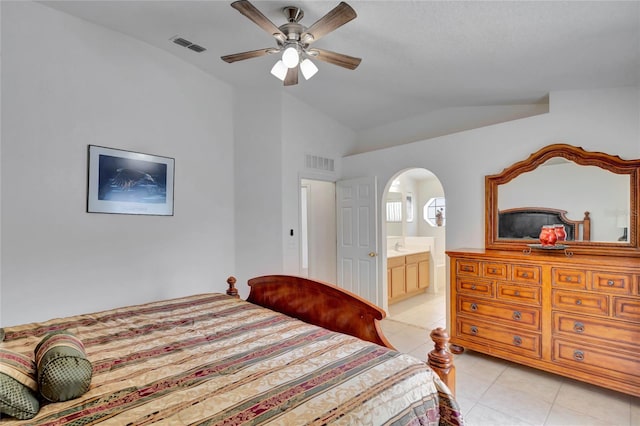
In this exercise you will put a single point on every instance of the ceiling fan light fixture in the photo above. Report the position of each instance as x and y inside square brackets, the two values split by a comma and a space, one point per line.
[293, 41]
[308, 69]
[290, 57]
[279, 70]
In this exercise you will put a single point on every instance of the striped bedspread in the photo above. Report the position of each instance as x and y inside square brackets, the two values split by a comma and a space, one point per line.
[214, 360]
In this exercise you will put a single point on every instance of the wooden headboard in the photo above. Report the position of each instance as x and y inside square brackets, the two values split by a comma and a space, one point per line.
[526, 222]
[319, 303]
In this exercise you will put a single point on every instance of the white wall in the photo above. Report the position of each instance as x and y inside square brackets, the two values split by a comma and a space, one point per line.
[598, 120]
[66, 84]
[257, 177]
[430, 188]
[274, 133]
[305, 131]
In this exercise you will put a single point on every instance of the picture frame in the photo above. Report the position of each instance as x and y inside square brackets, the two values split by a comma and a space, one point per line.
[127, 182]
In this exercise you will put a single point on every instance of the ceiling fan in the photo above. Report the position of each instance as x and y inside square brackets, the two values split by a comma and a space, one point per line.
[294, 41]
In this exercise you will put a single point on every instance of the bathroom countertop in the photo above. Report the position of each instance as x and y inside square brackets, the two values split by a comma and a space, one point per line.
[405, 251]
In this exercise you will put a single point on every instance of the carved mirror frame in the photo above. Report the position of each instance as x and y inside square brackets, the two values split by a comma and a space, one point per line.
[579, 156]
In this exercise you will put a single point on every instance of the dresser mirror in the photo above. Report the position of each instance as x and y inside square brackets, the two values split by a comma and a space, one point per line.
[593, 192]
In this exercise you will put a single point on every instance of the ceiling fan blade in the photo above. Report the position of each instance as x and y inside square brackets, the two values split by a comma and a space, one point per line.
[250, 11]
[334, 58]
[337, 17]
[247, 55]
[292, 76]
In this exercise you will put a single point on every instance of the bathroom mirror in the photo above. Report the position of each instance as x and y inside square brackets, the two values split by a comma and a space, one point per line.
[572, 181]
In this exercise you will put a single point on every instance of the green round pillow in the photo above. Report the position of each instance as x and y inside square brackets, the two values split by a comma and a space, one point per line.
[18, 385]
[64, 372]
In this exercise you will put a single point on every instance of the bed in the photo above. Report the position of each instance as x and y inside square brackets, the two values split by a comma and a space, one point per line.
[214, 359]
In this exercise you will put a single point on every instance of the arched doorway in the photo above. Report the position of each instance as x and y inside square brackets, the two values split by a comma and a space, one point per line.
[414, 227]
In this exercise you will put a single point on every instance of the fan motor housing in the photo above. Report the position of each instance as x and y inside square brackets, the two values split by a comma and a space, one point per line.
[293, 14]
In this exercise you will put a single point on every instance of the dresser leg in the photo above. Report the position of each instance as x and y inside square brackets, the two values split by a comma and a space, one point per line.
[455, 349]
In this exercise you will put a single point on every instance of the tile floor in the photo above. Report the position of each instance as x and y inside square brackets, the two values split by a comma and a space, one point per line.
[495, 392]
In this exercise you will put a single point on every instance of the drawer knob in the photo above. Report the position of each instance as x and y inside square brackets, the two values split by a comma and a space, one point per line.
[578, 327]
[493, 270]
[568, 279]
[578, 302]
[473, 307]
[525, 275]
[517, 315]
[466, 268]
[473, 287]
[474, 330]
[578, 355]
[517, 340]
[516, 293]
[610, 283]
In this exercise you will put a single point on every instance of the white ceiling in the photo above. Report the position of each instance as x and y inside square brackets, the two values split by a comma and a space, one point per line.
[417, 56]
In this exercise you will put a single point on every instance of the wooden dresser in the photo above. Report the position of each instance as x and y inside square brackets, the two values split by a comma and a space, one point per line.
[577, 316]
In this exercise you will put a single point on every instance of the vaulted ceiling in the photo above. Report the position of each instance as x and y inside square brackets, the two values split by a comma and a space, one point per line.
[417, 56]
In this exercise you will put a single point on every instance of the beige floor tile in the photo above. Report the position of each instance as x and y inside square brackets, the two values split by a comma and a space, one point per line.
[465, 405]
[561, 416]
[635, 412]
[390, 327]
[536, 383]
[422, 310]
[516, 403]
[471, 387]
[594, 401]
[421, 351]
[482, 366]
[481, 415]
[409, 339]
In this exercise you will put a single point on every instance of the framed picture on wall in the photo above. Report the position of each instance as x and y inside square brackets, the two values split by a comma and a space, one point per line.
[128, 182]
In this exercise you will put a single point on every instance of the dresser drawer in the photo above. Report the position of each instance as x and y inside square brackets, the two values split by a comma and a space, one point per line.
[526, 274]
[611, 283]
[622, 365]
[516, 316]
[498, 271]
[475, 287]
[569, 278]
[580, 302]
[520, 293]
[513, 340]
[626, 308]
[468, 267]
[612, 332]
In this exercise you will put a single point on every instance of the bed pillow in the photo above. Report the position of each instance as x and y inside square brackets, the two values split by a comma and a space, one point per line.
[17, 385]
[63, 370]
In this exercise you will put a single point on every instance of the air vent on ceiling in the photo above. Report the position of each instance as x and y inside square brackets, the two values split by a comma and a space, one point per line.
[188, 44]
[319, 163]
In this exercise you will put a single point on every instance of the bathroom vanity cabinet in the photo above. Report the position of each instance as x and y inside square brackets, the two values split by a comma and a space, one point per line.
[407, 275]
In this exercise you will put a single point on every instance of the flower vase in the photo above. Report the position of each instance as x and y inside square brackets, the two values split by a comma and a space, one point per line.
[548, 236]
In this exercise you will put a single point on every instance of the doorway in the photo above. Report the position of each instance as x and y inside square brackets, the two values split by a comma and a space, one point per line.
[318, 230]
[414, 227]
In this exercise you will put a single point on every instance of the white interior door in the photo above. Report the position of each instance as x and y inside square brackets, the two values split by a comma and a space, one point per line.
[357, 251]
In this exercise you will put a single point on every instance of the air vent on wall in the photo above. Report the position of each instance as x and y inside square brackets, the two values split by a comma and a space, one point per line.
[319, 163]
[186, 43]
